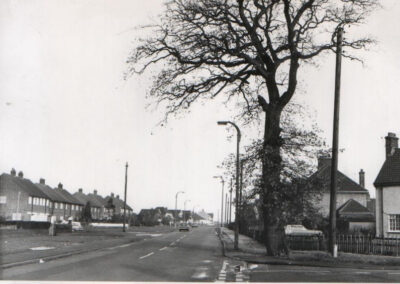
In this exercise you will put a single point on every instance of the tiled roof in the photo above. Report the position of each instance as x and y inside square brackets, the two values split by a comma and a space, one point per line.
[22, 184]
[354, 211]
[52, 194]
[83, 198]
[344, 183]
[389, 175]
[96, 200]
[118, 202]
[68, 196]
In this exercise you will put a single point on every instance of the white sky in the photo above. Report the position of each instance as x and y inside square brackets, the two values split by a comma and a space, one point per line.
[67, 115]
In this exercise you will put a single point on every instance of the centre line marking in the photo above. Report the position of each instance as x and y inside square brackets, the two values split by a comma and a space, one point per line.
[163, 248]
[172, 243]
[147, 255]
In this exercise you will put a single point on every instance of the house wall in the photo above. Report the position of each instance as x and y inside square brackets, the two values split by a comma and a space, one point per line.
[341, 198]
[389, 197]
[355, 226]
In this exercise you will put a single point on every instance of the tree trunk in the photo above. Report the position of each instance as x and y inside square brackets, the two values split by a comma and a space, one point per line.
[272, 165]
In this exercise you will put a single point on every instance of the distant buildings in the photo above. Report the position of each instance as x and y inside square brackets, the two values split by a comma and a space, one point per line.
[22, 200]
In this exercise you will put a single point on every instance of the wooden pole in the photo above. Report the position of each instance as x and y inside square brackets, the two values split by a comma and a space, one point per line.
[335, 144]
[126, 182]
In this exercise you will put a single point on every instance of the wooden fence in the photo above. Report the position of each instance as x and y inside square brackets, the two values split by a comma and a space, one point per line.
[368, 245]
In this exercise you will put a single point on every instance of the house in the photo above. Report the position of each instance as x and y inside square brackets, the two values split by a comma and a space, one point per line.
[352, 216]
[150, 217]
[61, 207]
[346, 188]
[21, 200]
[84, 199]
[97, 205]
[118, 206]
[387, 186]
[73, 206]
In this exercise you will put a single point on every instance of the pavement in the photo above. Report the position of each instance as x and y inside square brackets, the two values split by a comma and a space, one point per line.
[21, 247]
[252, 251]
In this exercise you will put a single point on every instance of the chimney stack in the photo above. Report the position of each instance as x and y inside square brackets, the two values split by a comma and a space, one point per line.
[362, 178]
[391, 143]
[80, 190]
[112, 195]
[95, 192]
[324, 161]
[42, 181]
[117, 196]
[60, 185]
[13, 172]
[20, 174]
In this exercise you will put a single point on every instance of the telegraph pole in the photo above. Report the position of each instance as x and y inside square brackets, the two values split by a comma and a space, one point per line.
[126, 182]
[335, 146]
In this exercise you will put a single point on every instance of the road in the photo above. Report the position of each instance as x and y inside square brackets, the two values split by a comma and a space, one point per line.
[176, 256]
[181, 256]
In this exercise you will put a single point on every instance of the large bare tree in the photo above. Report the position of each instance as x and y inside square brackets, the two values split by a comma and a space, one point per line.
[247, 48]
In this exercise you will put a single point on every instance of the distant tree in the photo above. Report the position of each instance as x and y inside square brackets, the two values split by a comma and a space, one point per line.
[87, 212]
[111, 208]
[249, 49]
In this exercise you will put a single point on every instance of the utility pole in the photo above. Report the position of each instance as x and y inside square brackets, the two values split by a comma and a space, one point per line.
[226, 208]
[126, 182]
[335, 146]
[230, 203]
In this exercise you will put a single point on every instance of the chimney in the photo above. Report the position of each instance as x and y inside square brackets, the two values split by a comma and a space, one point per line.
[80, 190]
[324, 161]
[392, 142]
[117, 196]
[362, 178]
[42, 181]
[95, 192]
[13, 172]
[20, 174]
[60, 186]
[112, 195]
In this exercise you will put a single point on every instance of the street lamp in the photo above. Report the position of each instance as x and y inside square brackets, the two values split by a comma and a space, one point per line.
[184, 208]
[176, 204]
[222, 198]
[236, 241]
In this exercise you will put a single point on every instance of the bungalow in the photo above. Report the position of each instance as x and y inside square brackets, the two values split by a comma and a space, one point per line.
[387, 184]
[21, 200]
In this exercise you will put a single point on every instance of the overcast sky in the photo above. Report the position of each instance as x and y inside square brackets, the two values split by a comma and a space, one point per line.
[67, 115]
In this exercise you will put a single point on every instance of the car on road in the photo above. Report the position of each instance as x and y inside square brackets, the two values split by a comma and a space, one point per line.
[184, 227]
[76, 226]
[300, 230]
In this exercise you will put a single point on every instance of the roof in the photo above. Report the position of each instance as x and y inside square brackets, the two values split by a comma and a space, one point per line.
[344, 183]
[389, 175]
[22, 184]
[354, 211]
[96, 200]
[83, 198]
[68, 196]
[52, 194]
[118, 202]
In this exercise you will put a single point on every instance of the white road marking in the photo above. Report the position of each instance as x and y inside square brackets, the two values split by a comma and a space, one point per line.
[147, 255]
[201, 273]
[394, 273]
[207, 261]
[163, 248]
[173, 243]
[222, 273]
[42, 248]
[124, 246]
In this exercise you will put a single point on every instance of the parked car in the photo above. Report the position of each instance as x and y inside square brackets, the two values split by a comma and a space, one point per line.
[184, 227]
[76, 226]
[300, 230]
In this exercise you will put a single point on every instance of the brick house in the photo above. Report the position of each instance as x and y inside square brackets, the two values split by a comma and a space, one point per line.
[98, 206]
[84, 199]
[387, 185]
[346, 188]
[21, 200]
[62, 206]
[118, 206]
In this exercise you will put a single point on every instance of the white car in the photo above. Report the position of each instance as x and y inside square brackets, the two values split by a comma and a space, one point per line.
[76, 226]
[300, 230]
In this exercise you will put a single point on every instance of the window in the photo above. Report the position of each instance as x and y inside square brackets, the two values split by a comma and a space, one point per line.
[61, 205]
[3, 199]
[394, 222]
[56, 205]
[30, 200]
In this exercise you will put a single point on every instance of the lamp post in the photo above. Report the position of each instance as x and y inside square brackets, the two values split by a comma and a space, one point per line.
[222, 199]
[176, 204]
[236, 241]
[184, 208]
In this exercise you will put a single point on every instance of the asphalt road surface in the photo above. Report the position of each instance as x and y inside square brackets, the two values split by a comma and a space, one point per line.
[182, 256]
